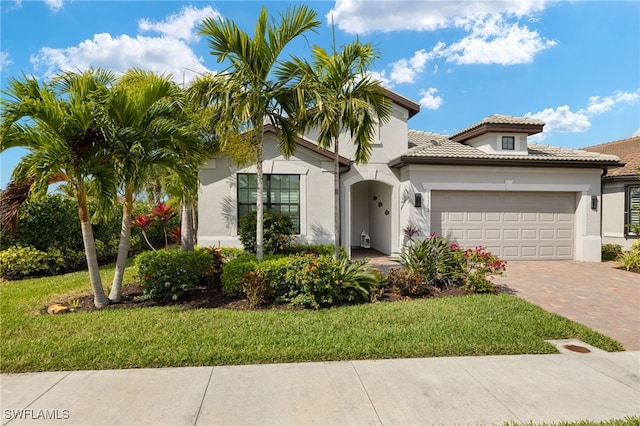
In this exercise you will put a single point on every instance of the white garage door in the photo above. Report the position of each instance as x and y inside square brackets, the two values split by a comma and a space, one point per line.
[512, 225]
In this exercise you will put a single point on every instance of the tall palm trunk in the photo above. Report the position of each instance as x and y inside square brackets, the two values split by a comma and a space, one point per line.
[123, 247]
[336, 199]
[100, 299]
[259, 194]
[186, 228]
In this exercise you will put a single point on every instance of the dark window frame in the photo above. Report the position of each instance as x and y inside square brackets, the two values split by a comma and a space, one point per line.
[631, 212]
[512, 143]
[268, 202]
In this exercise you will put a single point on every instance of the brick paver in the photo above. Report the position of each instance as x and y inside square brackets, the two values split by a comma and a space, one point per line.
[597, 295]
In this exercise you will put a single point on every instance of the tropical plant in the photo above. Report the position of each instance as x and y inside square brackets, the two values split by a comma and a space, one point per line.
[166, 274]
[60, 124]
[251, 94]
[342, 97]
[278, 232]
[145, 129]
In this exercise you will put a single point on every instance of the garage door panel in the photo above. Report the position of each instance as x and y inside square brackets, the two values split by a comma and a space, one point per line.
[493, 234]
[565, 234]
[547, 234]
[509, 224]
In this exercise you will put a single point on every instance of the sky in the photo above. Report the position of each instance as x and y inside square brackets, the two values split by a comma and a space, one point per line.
[573, 64]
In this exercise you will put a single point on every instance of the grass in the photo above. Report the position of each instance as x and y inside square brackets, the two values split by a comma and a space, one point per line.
[171, 336]
[627, 421]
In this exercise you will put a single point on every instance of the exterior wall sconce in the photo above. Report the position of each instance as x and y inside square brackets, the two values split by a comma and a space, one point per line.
[418, 200]
[594, 203]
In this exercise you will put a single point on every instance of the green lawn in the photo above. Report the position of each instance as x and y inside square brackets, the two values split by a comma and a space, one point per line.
[170, 336]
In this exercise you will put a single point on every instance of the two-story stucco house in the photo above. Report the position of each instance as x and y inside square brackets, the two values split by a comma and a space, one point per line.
[484, 185]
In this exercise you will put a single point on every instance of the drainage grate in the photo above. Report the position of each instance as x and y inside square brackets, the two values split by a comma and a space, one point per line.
[576, 348]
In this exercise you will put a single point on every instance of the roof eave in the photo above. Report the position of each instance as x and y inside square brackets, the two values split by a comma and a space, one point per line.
[529, 129]
[407, 160]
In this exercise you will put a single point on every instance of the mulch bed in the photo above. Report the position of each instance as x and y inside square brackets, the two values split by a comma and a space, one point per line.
[206, 298]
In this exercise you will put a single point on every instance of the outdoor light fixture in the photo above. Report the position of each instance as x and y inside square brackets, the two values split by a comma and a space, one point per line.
[418, 201]
[594, 203]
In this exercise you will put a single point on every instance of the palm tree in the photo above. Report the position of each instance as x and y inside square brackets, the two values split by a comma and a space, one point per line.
[145, 129]
[60, 123]
[343, 97]
[253, 96]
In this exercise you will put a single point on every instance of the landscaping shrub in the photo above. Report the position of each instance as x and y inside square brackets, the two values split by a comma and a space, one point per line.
[611, 251]
[314, 249]
[277, 235]
[631, 259]
[436, 260]
[480, 265]
[443, 264]
[408, 282]
[49, 221]
[233, 271]
[168, 273]
[230, 253]
[50, 224]
[302, 280]
[19, 262]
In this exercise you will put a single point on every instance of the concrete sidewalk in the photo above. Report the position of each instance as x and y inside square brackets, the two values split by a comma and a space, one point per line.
[456, 390]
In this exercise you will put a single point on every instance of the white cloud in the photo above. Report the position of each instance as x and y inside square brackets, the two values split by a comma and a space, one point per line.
[168, 54]
[599, 105]
[4, 60]
[406, 70]
[562, 119]
[429, 98]
[363, 16]
[494, 41]
[180, 25]
[54, 5]
[159, 54]
[381, 77]
[636, 133]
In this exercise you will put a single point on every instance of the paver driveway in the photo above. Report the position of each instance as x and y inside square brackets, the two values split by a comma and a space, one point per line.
[594, 294]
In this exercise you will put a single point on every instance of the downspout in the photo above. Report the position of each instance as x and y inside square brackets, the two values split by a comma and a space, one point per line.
[343, 204]
[602, 175]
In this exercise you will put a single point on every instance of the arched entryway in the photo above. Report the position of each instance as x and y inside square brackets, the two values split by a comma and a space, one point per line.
[371, 210]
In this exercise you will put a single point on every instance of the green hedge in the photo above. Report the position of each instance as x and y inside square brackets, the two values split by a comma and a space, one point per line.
[303, 280]
[166, 274]
[50, 225]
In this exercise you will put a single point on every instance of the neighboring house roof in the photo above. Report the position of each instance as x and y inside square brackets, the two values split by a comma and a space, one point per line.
[499, 123]
[433, 148]
[629, 152]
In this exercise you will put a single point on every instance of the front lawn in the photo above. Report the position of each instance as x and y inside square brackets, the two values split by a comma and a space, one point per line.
[173, 336]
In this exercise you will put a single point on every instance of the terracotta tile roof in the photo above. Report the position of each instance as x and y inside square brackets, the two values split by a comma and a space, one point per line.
[426, 145]
[531, 125]
[629, 152]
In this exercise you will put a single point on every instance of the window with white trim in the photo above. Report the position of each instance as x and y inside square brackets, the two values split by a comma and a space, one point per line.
[281, 194]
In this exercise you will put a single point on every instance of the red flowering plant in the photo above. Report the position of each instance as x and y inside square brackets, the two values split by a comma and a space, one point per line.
[143, 223]
[481, 266]
[410, 230]
[163, 214]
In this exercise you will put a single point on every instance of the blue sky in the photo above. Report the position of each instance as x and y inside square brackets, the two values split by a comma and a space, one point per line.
[573, 64]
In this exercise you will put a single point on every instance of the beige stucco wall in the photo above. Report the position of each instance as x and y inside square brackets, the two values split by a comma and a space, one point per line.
[492, 143]
[585, 183]
[613, 220]
[217, 199]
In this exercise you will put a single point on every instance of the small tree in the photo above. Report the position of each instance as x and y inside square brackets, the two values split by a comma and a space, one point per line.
[252, 95]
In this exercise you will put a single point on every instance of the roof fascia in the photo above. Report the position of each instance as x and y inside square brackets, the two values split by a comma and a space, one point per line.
[499, 128]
